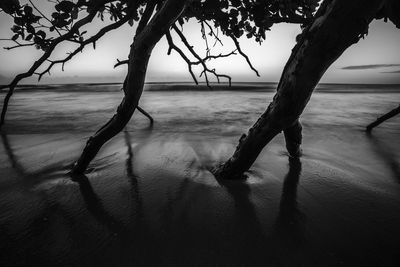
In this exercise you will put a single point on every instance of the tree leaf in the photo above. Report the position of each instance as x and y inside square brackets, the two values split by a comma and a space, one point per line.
[65, 6]
[29, 37]
[42, 34]
[28, 10]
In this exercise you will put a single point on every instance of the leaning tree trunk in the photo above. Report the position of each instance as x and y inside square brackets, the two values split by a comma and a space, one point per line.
[337, 25]
[139, 56]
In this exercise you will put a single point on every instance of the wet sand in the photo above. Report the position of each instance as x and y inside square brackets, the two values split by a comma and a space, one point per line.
[149, 199]
[152, 201]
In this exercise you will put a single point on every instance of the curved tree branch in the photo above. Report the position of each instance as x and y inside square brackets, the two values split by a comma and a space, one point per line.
[200, 60]
[237, 44]
[18, 44]
[172, 46]
[40, 61]
[146, 114]
[121, 62]
[90, 40]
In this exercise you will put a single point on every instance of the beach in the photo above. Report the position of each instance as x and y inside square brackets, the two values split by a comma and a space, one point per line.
[149, 199]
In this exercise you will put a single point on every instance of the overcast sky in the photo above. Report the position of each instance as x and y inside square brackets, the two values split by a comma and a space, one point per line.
[375, 59]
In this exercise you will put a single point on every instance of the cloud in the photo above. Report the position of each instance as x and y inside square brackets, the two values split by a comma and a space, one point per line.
[395, 71]
[372, 66]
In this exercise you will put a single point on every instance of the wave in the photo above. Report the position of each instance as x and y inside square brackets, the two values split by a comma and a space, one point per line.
[187, 86]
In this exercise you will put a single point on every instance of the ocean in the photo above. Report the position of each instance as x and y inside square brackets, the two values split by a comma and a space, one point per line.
[187, 108]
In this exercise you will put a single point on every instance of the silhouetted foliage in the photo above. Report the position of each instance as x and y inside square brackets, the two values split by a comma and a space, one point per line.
[232, 17]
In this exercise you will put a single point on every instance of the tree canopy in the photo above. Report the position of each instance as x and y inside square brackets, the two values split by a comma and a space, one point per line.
[66, 23]
[232, 17]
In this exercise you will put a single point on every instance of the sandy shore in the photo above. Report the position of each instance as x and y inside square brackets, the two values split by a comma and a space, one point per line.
[150, 200]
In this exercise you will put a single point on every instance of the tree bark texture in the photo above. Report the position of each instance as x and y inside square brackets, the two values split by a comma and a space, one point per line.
[337, 25]
[139, 56]
[293, 138]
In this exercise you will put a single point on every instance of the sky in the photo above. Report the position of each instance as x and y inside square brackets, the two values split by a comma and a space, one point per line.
[375, 59]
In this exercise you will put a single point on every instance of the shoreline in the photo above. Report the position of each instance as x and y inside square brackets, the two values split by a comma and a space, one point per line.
[190, 86]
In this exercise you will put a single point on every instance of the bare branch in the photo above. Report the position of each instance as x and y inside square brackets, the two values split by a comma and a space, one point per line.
[121, 62]
[216, 35]
[201, 60]
[18, 44]
[145, 114]
[216, 57]
[204, 36]
[239, 49]
[172, 46]
[90, 40]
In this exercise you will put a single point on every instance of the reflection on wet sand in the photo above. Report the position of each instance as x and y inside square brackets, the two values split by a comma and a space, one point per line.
[95, 206]
[10, 154]
[133, 179]
[386, 153]
[29, 178]
[245, 216]
[165, 211]
[290, 219]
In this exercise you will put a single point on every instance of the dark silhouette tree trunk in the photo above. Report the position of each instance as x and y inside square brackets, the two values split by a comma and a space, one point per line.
[337, 25]
[293, 138]
[139, 56]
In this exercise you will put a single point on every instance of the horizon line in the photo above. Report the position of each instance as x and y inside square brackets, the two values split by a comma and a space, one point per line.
[188, 82]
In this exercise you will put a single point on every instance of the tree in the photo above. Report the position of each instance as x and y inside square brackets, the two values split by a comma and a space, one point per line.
[326, 34]
[337, 25]
[155, 19]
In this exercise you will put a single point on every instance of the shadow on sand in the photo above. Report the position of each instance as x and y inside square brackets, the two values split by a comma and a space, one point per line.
[181, 239]
[386, 153]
